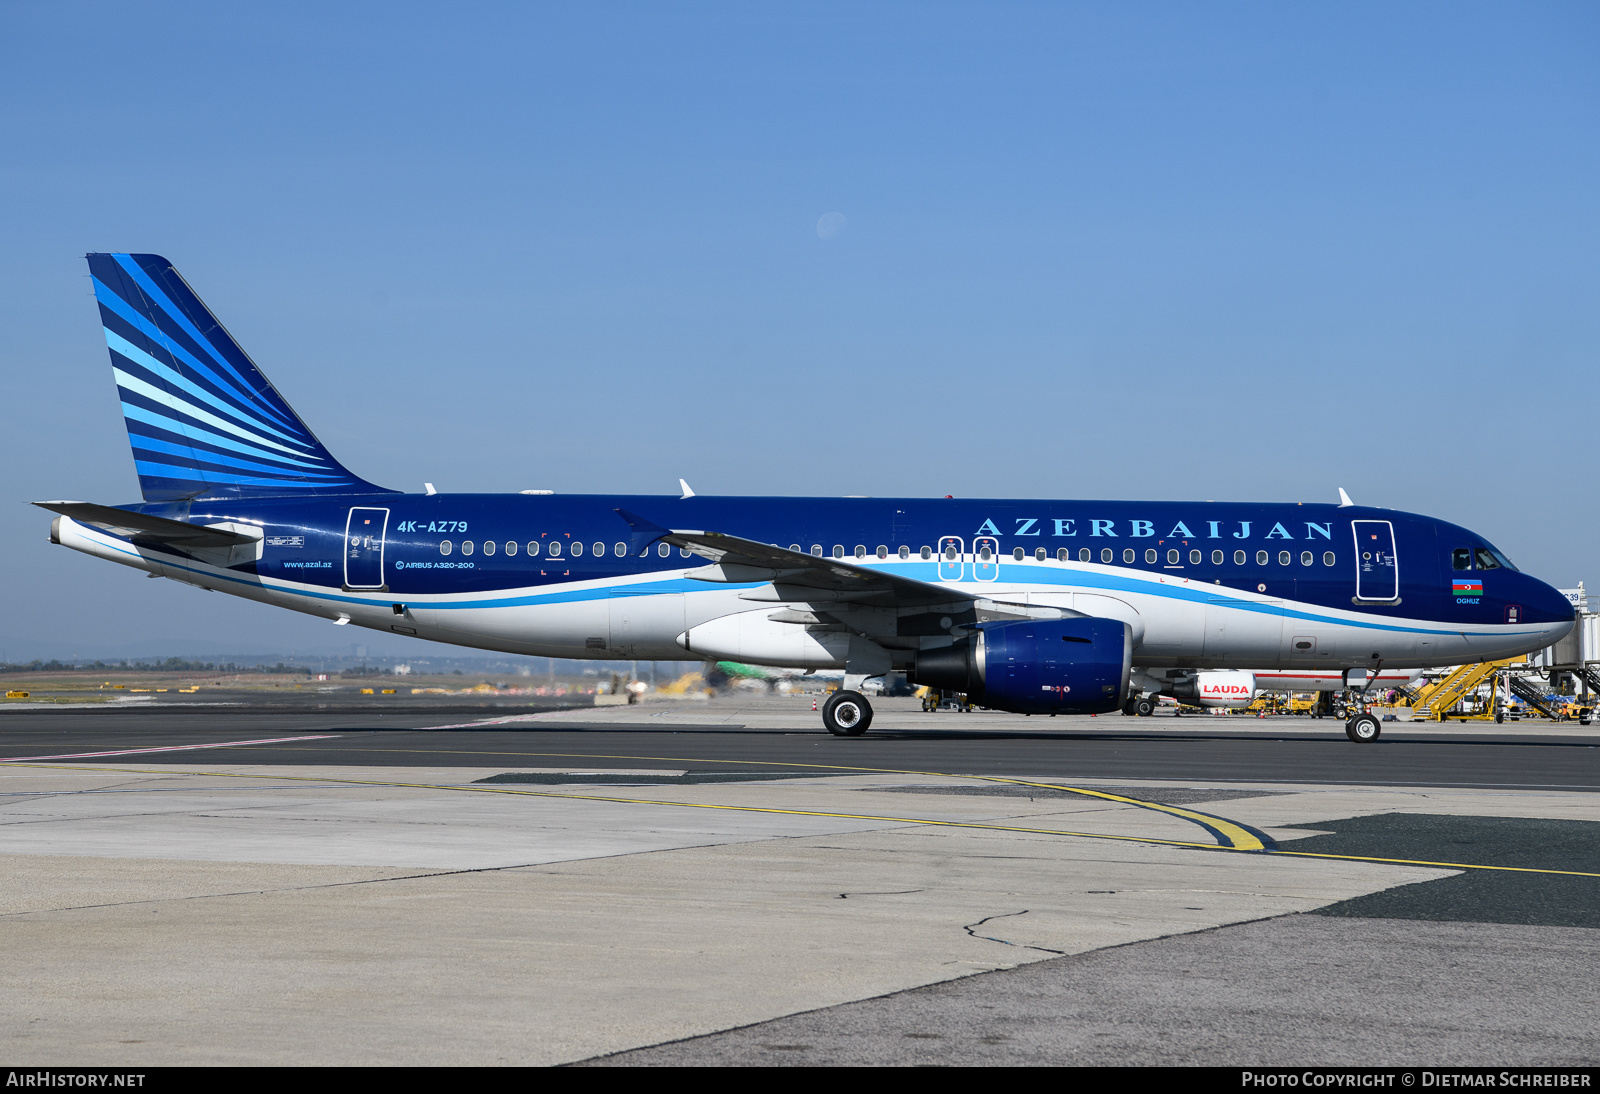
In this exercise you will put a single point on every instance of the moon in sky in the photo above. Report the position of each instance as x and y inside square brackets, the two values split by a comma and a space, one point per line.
[830, 225]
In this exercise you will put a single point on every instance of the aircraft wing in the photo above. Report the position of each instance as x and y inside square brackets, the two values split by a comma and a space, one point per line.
[799, 577]
[146, 528]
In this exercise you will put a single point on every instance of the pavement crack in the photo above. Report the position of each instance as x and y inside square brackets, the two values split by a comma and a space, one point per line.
[887, 892]
[971, 929]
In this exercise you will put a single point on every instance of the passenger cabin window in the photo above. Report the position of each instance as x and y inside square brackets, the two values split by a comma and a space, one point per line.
[1150, 557]
[1172, 556]
[511, 547]
[684, 552]
[555, 548]
[950, 553]
[1486, 560]
[619, 549]
[1216, 558]
[1063, 555]
[1105, 554]
[795, 547]
[1039, 554]
[1017, 553]
[838, 550]
[1194, 558]
[1238, 558]
[905, 552]
[925, 553]
[1283, 558]
[445, 547]
[1261, 558]
[466, 546]
[1328, 558]
[1461, 558]
[861, 550]
[1083, 554]
[533, 548]
[663, 549]
[1305, 558]
[816, 550]
[488, 546]
[599, 550]
[576, 550]
[1128, 555]
[883, 552]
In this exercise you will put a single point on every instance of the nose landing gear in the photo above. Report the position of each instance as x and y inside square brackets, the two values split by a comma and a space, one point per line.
[1363, 728]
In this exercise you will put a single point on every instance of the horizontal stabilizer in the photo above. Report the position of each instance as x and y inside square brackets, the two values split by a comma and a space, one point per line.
[142, 526]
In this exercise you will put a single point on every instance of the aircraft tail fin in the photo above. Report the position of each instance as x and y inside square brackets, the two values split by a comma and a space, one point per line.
[202, 418]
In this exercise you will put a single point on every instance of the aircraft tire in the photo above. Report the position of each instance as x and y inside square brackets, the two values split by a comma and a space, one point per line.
[1363, 728]
[1145, 708]
[847, 714]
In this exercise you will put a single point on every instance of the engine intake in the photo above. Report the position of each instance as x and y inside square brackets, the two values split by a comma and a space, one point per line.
[1036, 666]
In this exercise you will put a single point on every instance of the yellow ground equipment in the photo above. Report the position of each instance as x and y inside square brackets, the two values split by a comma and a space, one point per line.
[1435, 703]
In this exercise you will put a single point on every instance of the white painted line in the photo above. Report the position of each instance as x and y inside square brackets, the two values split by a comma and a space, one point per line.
[166, 748]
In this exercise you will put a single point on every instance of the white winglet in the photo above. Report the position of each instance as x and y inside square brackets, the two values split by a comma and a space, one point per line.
[428, 486]
[1344, 499]
[687, 493]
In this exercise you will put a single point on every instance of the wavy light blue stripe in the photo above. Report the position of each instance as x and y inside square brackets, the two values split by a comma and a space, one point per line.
[154, 445]
[175, 313]
[213, 478]
[137, 319]
[150, 391]
[118, 344]
[189, 429]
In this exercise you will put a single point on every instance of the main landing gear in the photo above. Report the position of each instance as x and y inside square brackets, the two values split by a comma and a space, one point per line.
[847, 714]
[1363, 728]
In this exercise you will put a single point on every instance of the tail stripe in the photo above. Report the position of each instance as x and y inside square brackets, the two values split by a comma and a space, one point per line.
[190, 434]
[159, 339]
[167, 471]
[148, 364]
[175, 314]
[202, 418]
[155, 394]
[156, 444]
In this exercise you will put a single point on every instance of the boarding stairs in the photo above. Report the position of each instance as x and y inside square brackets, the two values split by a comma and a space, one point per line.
[1522, 689]
[1434, 704]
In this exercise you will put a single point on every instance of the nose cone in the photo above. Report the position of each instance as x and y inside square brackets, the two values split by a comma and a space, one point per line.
[1545, 605]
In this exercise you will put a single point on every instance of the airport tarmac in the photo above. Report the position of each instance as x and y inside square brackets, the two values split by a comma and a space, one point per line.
[723, 882]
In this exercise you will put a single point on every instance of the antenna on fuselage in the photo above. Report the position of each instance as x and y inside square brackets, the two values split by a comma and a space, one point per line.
[1344, 499]
[428, 488]
[687, 492]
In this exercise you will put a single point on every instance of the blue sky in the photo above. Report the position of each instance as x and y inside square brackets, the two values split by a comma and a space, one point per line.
[1159, 250]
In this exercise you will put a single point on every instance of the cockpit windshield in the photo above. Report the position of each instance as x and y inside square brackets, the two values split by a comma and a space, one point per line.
[1490, 558]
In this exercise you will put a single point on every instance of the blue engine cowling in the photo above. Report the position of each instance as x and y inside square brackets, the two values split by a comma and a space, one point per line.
[1037, 666]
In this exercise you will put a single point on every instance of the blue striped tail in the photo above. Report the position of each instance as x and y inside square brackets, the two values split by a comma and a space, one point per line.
[203, 419]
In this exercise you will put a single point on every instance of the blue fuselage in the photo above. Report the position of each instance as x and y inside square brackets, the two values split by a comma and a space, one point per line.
[1208, 584]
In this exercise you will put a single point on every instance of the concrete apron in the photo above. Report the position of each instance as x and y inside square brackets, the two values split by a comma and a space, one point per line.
[188, 917]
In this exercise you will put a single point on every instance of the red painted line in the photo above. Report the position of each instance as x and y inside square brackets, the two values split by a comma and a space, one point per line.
[166, 748]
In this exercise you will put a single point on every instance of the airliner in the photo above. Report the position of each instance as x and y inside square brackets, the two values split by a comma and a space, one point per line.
[1031, 606]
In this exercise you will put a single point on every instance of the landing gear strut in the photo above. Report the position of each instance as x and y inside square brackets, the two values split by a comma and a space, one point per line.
[847, 714]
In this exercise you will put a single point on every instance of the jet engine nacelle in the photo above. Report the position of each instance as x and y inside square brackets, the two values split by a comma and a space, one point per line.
[1231, 689]
[1036, 666]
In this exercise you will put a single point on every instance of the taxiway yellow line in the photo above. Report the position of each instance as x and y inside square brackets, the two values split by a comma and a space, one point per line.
[824, 814]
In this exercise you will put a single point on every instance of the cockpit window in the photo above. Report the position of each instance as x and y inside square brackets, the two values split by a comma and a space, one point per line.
[1486, 559]
[1461, 558]
[1498, 556]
